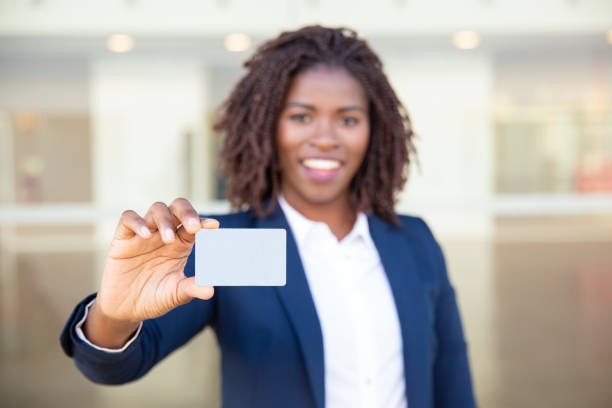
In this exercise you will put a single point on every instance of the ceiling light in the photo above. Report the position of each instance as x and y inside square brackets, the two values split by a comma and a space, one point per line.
[237, 42]
[466, 40]
[120, 43]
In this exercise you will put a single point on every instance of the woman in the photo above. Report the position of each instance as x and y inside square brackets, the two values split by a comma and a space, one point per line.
[316, 143]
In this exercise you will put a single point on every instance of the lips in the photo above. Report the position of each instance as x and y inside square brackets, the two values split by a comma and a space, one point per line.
[321, 169]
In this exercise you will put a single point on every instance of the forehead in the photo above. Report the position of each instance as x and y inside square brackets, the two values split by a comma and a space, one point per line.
[324, 84]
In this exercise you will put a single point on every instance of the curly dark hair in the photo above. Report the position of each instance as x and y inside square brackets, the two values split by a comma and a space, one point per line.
[249, 118]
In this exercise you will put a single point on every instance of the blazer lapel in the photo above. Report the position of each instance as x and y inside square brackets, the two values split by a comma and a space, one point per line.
[297, 301]
[399, 263]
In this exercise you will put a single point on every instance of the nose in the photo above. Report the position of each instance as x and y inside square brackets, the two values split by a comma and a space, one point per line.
[324, 138]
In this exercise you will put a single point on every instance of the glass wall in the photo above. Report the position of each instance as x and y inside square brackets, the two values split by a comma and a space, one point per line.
[553, 123]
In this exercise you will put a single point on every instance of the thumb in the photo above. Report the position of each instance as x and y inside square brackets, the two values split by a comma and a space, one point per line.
[187, 290]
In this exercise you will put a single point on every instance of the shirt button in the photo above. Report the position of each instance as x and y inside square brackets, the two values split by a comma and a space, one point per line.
[367, 381]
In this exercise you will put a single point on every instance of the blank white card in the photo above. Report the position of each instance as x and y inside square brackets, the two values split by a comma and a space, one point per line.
[240, 257]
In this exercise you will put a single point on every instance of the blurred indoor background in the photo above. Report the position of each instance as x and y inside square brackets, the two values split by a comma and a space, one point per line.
[108, 105]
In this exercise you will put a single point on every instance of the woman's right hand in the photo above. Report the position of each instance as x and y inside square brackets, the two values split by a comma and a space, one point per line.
[143, 277]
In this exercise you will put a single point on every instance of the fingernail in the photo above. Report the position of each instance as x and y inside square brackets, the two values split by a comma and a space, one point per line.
[145, 232]
[210, 223]
[193, 223]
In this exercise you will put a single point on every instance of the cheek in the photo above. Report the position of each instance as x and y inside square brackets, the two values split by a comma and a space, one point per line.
[360, 141]
[287, 141]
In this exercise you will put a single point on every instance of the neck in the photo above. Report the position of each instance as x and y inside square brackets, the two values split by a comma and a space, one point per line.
[338, 214]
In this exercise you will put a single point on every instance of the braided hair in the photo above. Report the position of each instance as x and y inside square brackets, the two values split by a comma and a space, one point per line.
[249, 118]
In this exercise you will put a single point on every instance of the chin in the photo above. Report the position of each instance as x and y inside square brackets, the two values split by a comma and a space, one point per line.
[321, 196]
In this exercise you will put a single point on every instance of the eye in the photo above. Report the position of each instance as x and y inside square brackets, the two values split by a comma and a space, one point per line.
[300, 117]
[349, 121]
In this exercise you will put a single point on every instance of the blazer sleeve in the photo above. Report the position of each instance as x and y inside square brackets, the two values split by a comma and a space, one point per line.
[158, 338]
[452, 380]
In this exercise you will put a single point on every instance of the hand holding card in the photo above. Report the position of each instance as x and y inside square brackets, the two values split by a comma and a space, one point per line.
[143, 277]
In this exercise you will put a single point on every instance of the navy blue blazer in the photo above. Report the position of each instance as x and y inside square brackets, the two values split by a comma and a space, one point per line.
[270, 337]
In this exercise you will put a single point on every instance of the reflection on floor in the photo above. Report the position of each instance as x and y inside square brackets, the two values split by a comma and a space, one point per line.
[536, 315]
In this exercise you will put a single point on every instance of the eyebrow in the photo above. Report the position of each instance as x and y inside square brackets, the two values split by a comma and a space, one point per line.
[352, 107]
[301, 105]
[312, 108]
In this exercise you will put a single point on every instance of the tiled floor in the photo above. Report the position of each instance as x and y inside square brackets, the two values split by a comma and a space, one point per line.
[537, 315]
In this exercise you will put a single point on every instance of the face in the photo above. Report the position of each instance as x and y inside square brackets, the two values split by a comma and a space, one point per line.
[322, 135]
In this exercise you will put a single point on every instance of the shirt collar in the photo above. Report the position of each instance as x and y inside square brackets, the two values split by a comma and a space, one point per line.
[302, 226]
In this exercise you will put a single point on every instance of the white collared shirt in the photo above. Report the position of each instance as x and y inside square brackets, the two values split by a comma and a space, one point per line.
[362, 340]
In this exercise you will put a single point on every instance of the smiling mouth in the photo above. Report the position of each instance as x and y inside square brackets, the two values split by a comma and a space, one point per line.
[321, 164]
[321, 169]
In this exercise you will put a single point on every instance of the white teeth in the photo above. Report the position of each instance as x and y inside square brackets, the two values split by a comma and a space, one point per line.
[321, 164]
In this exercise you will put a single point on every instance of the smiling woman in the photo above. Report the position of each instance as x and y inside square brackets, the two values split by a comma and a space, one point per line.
[317, 143]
